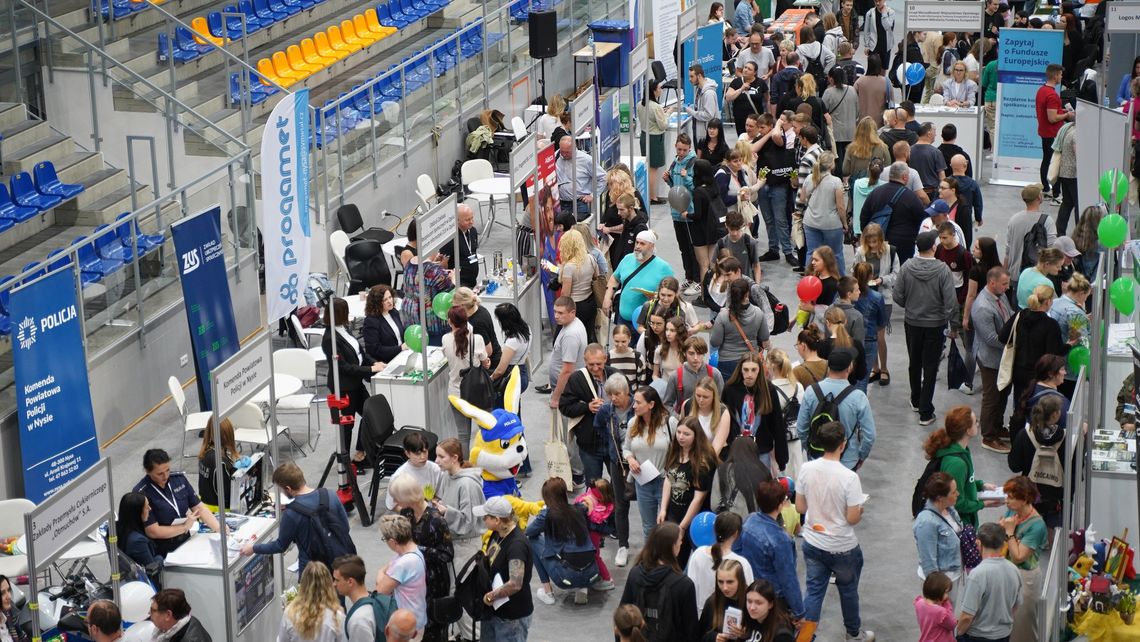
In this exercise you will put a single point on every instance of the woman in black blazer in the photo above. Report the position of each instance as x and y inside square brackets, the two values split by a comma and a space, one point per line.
[383, 330]
[353, 365]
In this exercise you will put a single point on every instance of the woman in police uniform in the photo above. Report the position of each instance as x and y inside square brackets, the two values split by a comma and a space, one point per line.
[174, 507]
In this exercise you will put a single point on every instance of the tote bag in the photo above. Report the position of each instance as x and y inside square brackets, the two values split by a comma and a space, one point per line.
[557, 456]
[1005, 369]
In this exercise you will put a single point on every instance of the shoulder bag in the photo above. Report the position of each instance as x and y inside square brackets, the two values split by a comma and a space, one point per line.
[747, 342]
[1008, 353]
[557, 455]
[617, 295]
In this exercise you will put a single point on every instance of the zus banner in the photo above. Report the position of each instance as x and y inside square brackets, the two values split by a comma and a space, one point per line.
[206, 290]
[53, 400]
[710, 56]
[285, 222]
[1023, 55]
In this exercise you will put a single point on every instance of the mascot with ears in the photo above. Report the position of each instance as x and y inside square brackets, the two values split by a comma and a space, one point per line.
[499, 446]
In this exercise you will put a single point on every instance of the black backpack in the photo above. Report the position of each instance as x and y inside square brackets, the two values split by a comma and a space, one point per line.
[850, 71]
[655, 605]
[826, 411]
[791, 414]
[328, 538]
[917, 501]
[383, 606]
[815, 68]
[882, 216]
[1035, 239]
[475, 384]
[472, 582]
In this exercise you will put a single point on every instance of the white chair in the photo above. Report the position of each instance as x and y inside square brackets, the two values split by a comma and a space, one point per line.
[250, 427]
[338, 243]
[12, 525]
[193, 422]
[475, 170]
[425, 189]
[298, 363]
[306, 335]
[518, 127]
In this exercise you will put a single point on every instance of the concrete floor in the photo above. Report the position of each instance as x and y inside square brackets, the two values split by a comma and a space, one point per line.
[889, 581]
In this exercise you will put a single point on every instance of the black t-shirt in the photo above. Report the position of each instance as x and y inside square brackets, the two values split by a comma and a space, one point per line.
[499, 553]
[978, 276]
[779, 162]
[714, 156]
[829, 292]
[468, 262]
[484, 326]
[741, 107]
[207, 492]
[683, 485]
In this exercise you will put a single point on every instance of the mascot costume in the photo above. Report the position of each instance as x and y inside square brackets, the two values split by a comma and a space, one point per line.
[499, 446]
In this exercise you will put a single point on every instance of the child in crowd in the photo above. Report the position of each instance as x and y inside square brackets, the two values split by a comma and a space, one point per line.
[425, 472]
[599, 502]
[934, 610]
[624, 359]
[736, 243]
[959, 260]
[847, 294]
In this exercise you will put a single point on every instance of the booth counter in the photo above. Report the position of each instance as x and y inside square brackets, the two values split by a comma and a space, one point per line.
[405, 393]
[530, 304]
[196, 568]
[1113, 478]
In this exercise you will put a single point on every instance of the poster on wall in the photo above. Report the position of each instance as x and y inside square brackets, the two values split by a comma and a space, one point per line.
[1023, 55]
[206, 294]
[285, 223]
[548, 209]
[53, 398]
[665, 14]
[609, 130]
[709, 55]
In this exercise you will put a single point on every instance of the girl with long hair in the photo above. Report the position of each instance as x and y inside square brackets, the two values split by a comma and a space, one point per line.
[461, 490]
[735, 480]
[812, 367]
[208, 462]
[382, 329]
[951, 444]
[731, 586]
[651, 340]
[705, 561]
[986, 257]
[1087, 240]
[1048, 375]
[656, 119]
[576, 274]
[315, 615]
[130, 528]
[657, 567]
[9, 631]
[740, 328]
[714, 146]
[1046, 431]
[874, 249]
[560, 539]
[1069, 312]
[705, 406]
[708, 210]
[672, 350]
[836, 321]
[824, 267]
[825, 217]
[764, 615]
[862, 186]
[753, 404]
[874, 310]
[650, 432]
[462, 349]
[689, 468]
[516, 343]
[629, 624]
[671, 304]
[781, 373]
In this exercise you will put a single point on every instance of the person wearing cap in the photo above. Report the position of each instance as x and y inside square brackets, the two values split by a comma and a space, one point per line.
[937, 214]
[1019, 225]
[906, 213]
[854, 409]
[641, 270]
[925, 290]
[1049, 263]
[1069, 248]
[508, 557]
[769, 549]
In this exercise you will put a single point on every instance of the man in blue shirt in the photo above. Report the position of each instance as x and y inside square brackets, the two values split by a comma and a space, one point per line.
[854, 411]
[641, 270]
[770, 551]
[579, 179]
[174, 506]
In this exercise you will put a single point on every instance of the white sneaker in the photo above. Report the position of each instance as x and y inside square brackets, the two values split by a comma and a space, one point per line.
[544, 597]
[864, 636]
[581, 596]
[603, 585]
[966, 389]
[622, 557]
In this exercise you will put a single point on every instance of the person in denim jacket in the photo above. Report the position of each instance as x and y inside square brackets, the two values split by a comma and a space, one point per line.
[769, 549]
[609, 426]
[936, 529]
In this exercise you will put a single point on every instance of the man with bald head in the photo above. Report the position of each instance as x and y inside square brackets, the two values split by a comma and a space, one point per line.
[468, 261]
[104, 621]
[898, 130]
[576, 190]
[969, 198]
[907, 211]
[401, 626]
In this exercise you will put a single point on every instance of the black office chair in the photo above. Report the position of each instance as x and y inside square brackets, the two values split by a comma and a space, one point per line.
[367, 265]
[350, 220]
[658, 69]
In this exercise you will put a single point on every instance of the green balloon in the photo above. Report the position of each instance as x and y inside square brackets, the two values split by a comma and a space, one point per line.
[1121, 295]
[1112, 230]
[414, 337]
[1078, 358]
[1106, 180]
[441, 304]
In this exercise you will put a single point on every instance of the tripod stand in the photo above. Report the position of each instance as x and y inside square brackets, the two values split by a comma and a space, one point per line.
[348, 490]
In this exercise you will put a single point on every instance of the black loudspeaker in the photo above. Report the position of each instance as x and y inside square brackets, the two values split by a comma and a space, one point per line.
[543, 34]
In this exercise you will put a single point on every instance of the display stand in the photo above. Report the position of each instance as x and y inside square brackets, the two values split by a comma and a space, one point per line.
[436, 228]
[582, 112]
[638, 70]
[686, 37]
[64, 519]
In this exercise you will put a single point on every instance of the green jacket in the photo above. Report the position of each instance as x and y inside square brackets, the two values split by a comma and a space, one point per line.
[989, 81]
[957, 462]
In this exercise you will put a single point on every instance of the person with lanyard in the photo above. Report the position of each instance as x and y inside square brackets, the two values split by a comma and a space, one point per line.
[468, 262]
[175, 508]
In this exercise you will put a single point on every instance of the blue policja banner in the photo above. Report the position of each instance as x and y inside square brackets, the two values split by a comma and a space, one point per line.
[53, 399]
[609, 130]
[710, 55]
[206, 290]
[1023, 55]
[285, 204]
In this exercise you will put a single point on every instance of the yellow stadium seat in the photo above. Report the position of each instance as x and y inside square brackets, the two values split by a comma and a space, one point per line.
[361, 28]
[309, 53]
[338, 41]
[350, 37]
[281, 66]
[373, 22]
[267, 72]
[297, 61]
[324, 48]
[202, 33]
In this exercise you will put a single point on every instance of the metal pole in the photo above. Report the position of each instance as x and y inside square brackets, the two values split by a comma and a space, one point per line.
[372, 138]
[47, 43]
[133, 222]
[16, 64]
[102, 43]
[154, 184]
[403, 106]
[1099, 362]
[339, 152]
[98, 140]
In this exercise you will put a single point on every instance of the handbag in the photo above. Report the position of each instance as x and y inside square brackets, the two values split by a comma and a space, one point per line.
[1005, 369]
[967, 542]
[475, 384]
[598, 285]
[956, 374]
[557, 456]
[1054, 171]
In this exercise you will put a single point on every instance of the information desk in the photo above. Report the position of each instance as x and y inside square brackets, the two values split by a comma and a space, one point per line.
[405, 393]
[196, 568]
[963, 118]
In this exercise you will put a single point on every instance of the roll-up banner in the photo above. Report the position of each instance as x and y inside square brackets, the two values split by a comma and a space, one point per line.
[1023, 55]
[665, 14]
[285, 224]
[206, 291]
[609, 130]
[709, 55]
[53, 399]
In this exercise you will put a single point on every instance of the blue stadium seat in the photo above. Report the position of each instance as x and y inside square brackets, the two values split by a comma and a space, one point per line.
[258, 91]
[277, 6]
[266, 14]
[147, 242]
[185, 41]
[5, 315]
[32, 271]
[251, 17]
[10, 211]
[110, 247]
[58, 258]
[390, 18]
[24, 193]
[92, 268]
[164, 51]
[233, 24]
[47, 181]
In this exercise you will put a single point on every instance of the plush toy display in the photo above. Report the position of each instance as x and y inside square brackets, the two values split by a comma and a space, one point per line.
[499, 446]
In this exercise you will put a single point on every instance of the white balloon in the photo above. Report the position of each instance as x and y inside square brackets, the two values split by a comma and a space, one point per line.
[134, 598]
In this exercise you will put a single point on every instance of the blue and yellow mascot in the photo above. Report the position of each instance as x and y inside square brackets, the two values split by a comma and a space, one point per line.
[499, 446]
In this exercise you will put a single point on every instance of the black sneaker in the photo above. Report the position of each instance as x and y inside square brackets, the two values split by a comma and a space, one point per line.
[770, 255]
[791, 259]
[543, 389]
[798, 268]
[925, 421]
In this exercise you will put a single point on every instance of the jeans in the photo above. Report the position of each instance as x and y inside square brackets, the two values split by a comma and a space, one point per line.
[871, 352]
[1068, 205]
[500, 630]
[550, 569]
[815, 237]
[685, 245]
[621, 504]
[847, 566]
[726, 367]
[648, 501]
[581, 212]
[924, 349]
[773, 207]
[992, 416]
[592, 465]
[1046, 157]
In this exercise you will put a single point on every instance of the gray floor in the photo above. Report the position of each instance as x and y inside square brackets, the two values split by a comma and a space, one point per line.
[889, 582]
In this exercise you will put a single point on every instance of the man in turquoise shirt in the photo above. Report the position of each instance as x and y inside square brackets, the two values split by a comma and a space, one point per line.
[641, 270]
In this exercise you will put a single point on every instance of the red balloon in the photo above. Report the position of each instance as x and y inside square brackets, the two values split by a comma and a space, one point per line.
[809, 289]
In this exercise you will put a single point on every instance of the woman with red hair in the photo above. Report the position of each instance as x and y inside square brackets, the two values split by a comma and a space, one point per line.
[951, 445]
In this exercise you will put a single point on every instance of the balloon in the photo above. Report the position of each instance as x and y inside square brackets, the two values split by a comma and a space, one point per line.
[1120, 293]
[1078, 358]
[1106, 186]
[679, 198]
[135, 599]
[701, 529]
[915, 73]
[1112, 230]
[809, 289]
[637, 314]
[441, 304]
[414, 337]
[714, 357]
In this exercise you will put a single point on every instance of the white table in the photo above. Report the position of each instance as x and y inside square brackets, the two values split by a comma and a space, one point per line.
[491, 187]
[406, 396]
[356, 305]
[283, 386]
[390, 246]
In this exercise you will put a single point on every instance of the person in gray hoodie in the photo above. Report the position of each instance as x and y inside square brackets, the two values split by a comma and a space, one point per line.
[461, 490]
[739, 328]
[925, 289]
[705, 105]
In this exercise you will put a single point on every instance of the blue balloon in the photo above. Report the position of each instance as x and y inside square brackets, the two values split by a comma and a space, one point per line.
[915, 73]
[714, 357]
[637, 314]
[701, 529]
